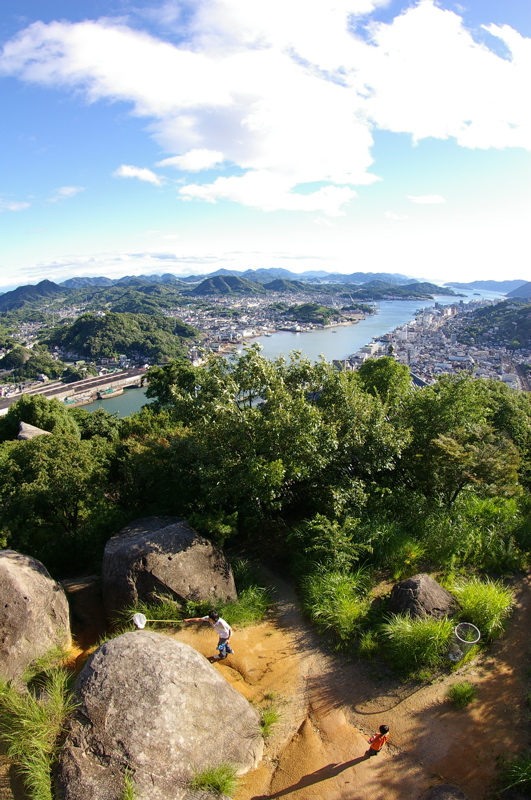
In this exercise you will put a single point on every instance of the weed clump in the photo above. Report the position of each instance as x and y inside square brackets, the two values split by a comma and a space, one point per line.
[461, 694]
[486, 604]
[221, 779]
[335, 602]
[412, 644]
[30, 725]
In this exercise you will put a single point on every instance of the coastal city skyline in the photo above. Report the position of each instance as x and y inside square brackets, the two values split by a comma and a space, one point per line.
[358, 136]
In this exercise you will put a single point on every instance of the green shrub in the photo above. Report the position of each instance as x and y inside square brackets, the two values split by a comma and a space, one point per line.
[30, 724]
[335, 602]
[221, 779]
[461, 694]
[415, 643]
[484, 533]
[486, 604]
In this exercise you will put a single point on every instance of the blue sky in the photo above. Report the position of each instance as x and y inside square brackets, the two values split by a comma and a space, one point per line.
[184, 136]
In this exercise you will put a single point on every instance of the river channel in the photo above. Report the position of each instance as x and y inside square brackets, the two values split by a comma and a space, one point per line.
[336, 342]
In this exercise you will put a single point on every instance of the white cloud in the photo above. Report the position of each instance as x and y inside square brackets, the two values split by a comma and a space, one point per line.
[426, 199]
[142, 173]
[13, 205]
[65, 192]
[425, 75]
[392, 215]
[193, 160]
[270, 192]
[285, 91]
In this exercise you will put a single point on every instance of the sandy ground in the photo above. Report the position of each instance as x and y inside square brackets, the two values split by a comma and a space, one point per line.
[329, 706]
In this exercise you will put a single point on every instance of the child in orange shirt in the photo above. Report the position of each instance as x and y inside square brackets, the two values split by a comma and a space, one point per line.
[377, 742]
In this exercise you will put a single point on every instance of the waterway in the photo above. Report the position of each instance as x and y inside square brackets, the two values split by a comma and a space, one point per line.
[336, 342]
[123, 404]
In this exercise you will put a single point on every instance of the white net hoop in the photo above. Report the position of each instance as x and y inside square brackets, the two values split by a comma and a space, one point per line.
[465, 636]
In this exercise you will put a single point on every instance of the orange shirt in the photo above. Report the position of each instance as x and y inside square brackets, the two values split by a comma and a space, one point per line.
[378, 741]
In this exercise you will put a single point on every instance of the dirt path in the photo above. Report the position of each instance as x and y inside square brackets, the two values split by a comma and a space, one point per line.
[330, 705]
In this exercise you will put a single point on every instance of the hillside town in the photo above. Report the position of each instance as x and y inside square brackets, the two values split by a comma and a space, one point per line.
[430, 347]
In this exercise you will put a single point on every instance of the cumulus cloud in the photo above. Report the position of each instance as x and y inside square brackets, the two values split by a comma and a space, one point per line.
[12, 205]
[142, 173]
[287, 92]
[426, 199]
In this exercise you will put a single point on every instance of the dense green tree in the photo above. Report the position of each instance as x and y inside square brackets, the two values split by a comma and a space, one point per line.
[96, 423]
[16, 357]
[52, 493]
[50, 415]
[386, 378]
[78, 372]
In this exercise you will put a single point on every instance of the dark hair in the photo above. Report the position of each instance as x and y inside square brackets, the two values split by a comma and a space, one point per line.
[384, 729]
[213, 615]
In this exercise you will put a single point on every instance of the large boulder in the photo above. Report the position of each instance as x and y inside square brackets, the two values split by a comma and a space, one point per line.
[163, 555]
[34, 615]
[155, 709]
[421, 596]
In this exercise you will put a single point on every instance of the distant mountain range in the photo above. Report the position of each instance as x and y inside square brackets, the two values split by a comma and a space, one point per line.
[372, 290]
[156, 289]
[489, 286]
[257, 275]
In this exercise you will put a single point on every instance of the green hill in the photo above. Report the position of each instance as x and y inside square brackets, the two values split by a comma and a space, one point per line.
[228, 284]
[151, 337]
[313, 313]
[23, 295]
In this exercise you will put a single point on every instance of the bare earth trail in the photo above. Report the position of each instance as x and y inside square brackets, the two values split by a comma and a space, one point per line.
[330, 706]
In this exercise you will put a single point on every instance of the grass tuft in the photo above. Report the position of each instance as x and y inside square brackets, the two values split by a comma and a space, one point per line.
[335, 602]
[30, 725]
[221, 779]
[517, 774]
[412, 644]
[128, 792]
[461, 694]
[368, 644]
[269, 715]
[486, 604]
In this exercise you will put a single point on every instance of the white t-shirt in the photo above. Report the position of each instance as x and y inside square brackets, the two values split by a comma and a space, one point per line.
[223, 628]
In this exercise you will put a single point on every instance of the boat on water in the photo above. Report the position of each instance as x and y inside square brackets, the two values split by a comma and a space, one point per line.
[78, 400]
[113, 391]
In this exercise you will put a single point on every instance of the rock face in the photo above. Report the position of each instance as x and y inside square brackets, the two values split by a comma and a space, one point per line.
[34, 613]
[156, 708]
[444, 792]
[421, 596]
[163, 555]
[27, 431]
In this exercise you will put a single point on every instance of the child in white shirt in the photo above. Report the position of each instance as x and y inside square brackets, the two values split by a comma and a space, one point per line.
[222, 628]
